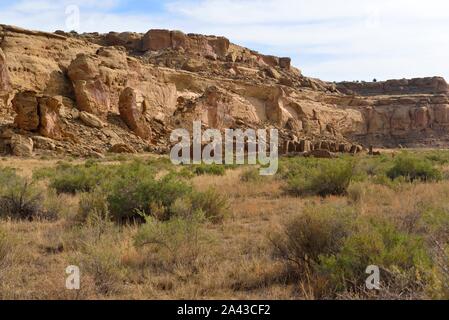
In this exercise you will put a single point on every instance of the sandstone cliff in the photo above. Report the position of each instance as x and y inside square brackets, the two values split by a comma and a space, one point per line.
[92, 93]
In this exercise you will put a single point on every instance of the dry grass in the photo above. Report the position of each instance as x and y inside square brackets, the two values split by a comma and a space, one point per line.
[235, 259]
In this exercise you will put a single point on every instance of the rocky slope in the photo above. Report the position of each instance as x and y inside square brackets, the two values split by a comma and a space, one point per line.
[89, 94]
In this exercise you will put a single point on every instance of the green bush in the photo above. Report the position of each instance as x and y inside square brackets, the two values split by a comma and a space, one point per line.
[93, 204]
[214, 205]
[212, 170]
[174, 243]
[413, 168]
[67, 178]
[130, 196]
[19, 198]
[440, 157]
[318, 231]
[399, 254]
[320, 177]
[336, 246]
[251, 175]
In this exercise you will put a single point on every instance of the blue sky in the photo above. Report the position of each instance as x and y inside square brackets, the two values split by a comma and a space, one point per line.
[328, 39]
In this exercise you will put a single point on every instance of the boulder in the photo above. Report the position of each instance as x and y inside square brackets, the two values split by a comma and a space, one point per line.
[92, 95]
[132, 111]
[84, 68]
[129, 40]
[220, 46]
[44, 143]
[273, 73]
[272, 61]
[179, 40]
[155, 40]
[50, 123]
[194, 65]
[96, 155]
[285, 63]
[322, 154]
[25, 104]
[122, 148]
[21, 146]
[91, 120]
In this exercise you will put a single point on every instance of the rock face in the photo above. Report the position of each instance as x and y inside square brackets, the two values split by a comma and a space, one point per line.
[211, 47]
[122, 148]
[25, 104]
[92, 93]
[91, 120]
[22, 146]
[435, 85]
[50, 122]
[37, 114]
[5, 83]
[132, 110]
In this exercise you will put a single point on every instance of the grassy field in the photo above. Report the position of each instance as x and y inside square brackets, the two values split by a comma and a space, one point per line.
[140, 228]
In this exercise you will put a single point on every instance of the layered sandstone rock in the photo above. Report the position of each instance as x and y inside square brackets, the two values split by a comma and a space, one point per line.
[22, 146]
[129, 40]
[91, 120]
[210, 47]
[49, 119]
[5, 82]
[435, 85]
[25, 104]
[92, 92]
[132, 110]
[122, 148]
[38, 113]
[92, 95]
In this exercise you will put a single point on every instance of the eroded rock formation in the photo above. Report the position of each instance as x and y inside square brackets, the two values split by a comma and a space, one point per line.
[37, 113]
[92, 93]
[132, 108]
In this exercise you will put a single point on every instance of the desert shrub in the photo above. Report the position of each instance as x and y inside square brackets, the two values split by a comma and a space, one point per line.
[162, 163]
[174, 243]
[251, 175]
[131, 196]
[67, 178]
[212, 170]
[93, 204]
[75, 179]
[439, 157]
[413, 168]
[5, 247]
[320, 177]
[357, 192]
[401, 256]
[332, 247]
[58, 205]
[306, 237]
[19, 198]
[102, 260]
[369, 167]
[214, 205]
